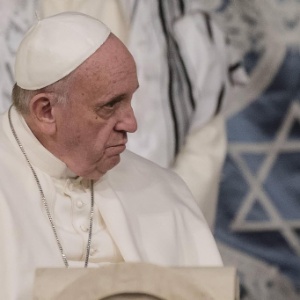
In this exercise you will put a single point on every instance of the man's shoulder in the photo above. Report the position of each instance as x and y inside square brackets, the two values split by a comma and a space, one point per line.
[5, 143]
[136, 164]
[136, 173]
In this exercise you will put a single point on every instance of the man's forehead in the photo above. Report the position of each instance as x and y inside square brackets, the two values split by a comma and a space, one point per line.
[109, 60]
[55, 46]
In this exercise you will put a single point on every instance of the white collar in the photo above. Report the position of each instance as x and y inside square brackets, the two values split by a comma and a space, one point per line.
[37, 154]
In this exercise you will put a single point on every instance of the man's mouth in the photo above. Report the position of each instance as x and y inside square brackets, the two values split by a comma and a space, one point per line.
[115, 149]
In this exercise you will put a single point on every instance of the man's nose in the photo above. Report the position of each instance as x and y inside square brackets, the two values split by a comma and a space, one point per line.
[127, 121]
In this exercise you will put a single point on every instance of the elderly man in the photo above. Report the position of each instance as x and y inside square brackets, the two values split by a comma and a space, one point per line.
[70, 195]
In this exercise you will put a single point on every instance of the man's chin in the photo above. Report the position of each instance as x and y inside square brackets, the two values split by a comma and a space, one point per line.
[100, 168]
[103, 168]
[112, 162]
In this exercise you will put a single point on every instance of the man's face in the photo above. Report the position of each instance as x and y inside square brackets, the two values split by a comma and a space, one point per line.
[91, 129]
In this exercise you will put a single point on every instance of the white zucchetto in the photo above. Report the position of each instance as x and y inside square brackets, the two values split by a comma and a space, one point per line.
[55, 46]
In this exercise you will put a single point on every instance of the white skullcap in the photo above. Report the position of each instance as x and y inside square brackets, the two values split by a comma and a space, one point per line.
[55, 46]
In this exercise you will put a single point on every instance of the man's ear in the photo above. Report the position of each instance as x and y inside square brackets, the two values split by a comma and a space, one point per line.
[41, 111]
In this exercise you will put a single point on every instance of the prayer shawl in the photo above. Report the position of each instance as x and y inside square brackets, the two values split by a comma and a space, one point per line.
[184, 70]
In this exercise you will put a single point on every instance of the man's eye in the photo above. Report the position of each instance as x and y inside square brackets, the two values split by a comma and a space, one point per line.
[110, 104]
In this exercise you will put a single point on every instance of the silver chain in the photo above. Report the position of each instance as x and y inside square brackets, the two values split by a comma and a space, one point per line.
[88, 247]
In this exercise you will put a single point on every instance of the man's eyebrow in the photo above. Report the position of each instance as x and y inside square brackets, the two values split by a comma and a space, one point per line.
[121, 96]
[113, 100]
[118, 98]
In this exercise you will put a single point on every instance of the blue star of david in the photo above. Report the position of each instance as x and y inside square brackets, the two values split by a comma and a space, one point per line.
[274, 220]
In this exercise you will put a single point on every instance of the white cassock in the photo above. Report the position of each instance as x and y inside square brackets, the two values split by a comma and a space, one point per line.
[143, 213]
